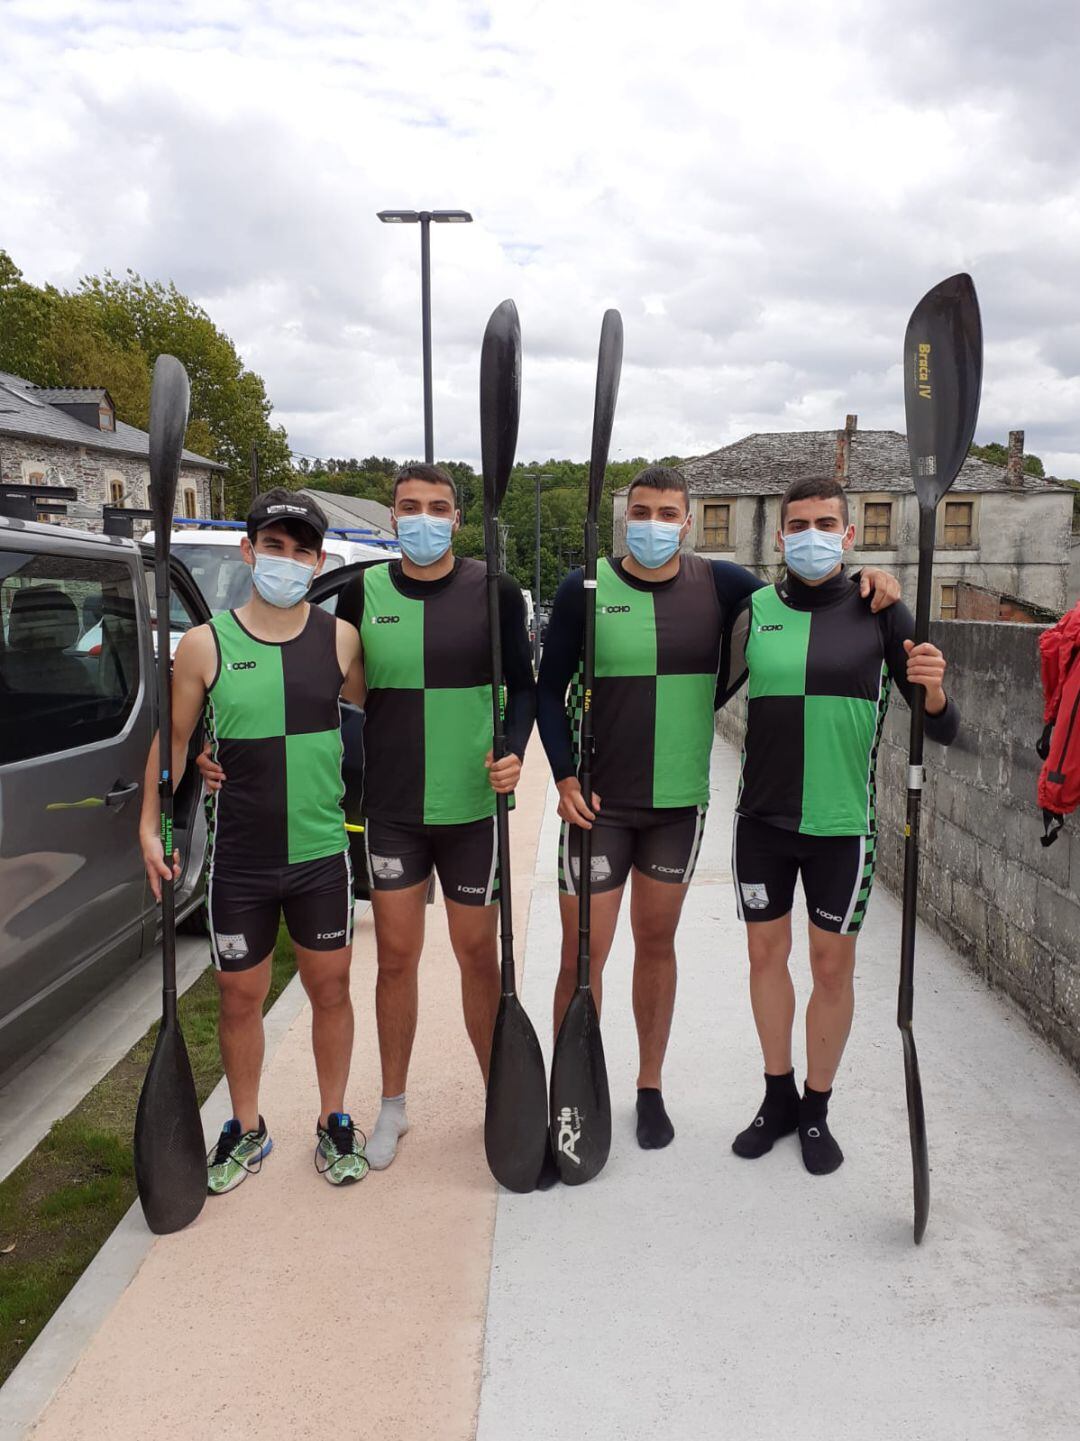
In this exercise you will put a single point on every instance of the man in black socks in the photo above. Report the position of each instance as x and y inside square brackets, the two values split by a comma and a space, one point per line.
[820, 666]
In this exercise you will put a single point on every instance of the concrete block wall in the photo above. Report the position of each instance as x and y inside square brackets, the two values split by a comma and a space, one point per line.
[1009, 906]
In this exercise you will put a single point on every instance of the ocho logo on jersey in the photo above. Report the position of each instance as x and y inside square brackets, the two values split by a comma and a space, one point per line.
[615, 609]
[387, 619]
[763, 628]
[241, 665]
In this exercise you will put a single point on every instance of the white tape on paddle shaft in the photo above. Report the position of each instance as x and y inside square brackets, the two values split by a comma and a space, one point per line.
[590, 585]
[916, 778]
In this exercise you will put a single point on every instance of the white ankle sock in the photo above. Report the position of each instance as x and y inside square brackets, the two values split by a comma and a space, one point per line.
[389, 1128]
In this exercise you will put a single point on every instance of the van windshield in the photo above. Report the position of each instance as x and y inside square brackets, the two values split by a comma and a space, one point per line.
[222, 574]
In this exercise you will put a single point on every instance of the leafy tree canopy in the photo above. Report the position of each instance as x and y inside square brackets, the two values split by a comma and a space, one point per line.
[997, 454]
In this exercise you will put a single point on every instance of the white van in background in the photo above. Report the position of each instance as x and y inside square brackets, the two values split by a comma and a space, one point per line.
[211, 552]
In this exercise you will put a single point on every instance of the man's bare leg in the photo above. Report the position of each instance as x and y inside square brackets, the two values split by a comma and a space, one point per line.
[603, 916]
[240, 1034]
[828, 1024]
[399, 940]
[474, 938]
[655, 908]
[325, 977]
[772, 997]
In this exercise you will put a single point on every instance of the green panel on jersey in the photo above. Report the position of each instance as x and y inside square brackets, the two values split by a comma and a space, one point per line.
[249, 694]
[776, 646]
[457, 728]
[625, 627]
[314, 790]
[392, 634]
[683, 744]
[838, 739]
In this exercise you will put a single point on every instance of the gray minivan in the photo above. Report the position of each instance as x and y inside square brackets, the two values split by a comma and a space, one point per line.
[78, 708]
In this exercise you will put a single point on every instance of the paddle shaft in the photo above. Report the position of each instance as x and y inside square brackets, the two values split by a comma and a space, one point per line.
[165, 776]
[498, 750]
[916, 776]
[588, 680]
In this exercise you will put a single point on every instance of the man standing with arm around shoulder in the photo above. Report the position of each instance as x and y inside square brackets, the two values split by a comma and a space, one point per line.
[430, 780]
[819, 666]
[268, 677]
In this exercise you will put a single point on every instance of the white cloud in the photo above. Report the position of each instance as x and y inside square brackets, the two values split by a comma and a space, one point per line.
[764, 193]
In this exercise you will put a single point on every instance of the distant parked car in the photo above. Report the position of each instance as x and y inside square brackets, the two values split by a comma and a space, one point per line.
[78, 707]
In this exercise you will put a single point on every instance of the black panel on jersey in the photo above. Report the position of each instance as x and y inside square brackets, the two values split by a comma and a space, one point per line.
[394, 750]
[305, 710]
[457, 650]
[250, 766]
[688, 621]
[623, 760]
[773, 774]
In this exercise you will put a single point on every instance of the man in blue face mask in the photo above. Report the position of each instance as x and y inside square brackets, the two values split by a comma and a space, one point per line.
[820, 666]
[430, 782]
[660, 617]
[268, 677]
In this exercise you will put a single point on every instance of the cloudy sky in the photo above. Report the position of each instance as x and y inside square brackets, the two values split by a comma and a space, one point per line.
[763, 187]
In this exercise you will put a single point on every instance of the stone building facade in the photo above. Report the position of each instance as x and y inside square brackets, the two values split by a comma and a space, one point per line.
[998, 528]
[71, 437]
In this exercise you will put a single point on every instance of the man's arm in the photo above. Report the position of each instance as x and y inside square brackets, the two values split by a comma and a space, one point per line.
[517, 667]
[350, 606]
[881, 585]
[562, 656]
[911, 665]
[733, 667]
[350, 659]
[194, 666]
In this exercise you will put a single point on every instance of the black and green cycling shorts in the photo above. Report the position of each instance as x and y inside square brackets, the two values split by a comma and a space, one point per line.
[837, 874]
[465, 857]
[245, 908]
[660, 842]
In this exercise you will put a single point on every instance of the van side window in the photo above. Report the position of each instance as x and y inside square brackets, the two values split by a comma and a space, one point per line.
[69, 653]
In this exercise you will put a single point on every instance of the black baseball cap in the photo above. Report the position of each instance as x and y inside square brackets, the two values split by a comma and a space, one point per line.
[278, 506]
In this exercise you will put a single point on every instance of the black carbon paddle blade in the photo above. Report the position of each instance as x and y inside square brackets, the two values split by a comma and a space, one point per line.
[170, 400]
[580, 1101]
[500, 402]
[920, 1159]
[170, 1158]
[608, 371]
[516, 1120]
[943, 357]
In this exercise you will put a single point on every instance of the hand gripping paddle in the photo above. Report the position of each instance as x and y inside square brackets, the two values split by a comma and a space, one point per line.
[580, 1102]
[942, 380]
[170, 1155]
[515, 1122]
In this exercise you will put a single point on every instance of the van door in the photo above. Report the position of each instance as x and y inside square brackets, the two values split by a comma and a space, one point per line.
[75, 725]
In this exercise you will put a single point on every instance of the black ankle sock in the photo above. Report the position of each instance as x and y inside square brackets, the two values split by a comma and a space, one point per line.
[821, 1155]
[778, 1115]
[654, 1128]
[549, 1171]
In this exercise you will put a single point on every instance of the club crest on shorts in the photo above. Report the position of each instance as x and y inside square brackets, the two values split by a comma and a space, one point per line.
[755, 896]
[231, 948]
[599, 868]
[569, 1133]
[388, 868]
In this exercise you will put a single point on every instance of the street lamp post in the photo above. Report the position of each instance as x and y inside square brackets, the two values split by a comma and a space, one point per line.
[424, 219]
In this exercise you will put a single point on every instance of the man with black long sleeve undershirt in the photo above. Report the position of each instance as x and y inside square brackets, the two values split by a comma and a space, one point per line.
[660, 617]
[820, 666]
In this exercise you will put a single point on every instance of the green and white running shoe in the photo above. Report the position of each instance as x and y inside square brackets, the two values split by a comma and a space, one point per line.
[238, 1155]
[339, 1156]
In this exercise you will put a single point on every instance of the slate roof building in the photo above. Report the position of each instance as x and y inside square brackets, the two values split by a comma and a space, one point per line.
[998, 527]
[348, 512]
[70, 436]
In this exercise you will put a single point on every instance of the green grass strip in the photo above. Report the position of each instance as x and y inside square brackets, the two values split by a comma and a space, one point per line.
[61, 1204]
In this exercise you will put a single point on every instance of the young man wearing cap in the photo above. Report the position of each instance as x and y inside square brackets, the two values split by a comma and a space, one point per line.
[820, 666]
[660, 616]
[430, 781]
[268, 677]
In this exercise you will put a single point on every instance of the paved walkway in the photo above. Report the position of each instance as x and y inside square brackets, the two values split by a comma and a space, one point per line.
[684, 1294]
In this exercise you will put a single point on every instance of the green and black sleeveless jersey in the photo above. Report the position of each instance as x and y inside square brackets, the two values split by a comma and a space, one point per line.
[427, 663]
[657, 652]
[272, 717]
[819, 666]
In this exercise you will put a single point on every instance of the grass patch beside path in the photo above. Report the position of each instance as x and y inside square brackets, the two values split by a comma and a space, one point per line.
[62, 1203]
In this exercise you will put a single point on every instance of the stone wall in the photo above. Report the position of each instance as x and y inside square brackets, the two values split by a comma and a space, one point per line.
[1009, 906]
[91, 472]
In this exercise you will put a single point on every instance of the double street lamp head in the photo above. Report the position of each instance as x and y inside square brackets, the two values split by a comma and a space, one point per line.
[411, 217]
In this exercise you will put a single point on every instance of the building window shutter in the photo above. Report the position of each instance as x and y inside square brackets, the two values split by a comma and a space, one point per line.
[958, 523]
[716, 527]
[877, 524]
[948, 602]
[191, 509]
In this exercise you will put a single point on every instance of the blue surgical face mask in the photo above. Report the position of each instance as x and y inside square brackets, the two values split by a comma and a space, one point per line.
[812, 554]
[652, 543]
[424, 539]
[281, 582]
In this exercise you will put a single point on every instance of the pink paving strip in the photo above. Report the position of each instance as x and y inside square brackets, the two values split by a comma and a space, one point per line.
[291, 1309]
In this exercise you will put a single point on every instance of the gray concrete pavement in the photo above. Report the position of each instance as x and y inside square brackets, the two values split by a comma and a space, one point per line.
[688, 1294]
